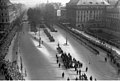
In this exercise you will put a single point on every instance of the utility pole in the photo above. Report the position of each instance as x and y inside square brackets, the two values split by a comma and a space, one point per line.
[39, 38]
[66, 36]
[39, 31]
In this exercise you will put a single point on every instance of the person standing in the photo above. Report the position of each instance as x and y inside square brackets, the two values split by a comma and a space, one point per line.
[56, 56]
[105, 59]
[86, 69]
[68, 79]
[25, 73]
[58, 44]
[79, 77]
[95, 79]
[63, 75]
[79, 72]
[76, 78]
[57, 61]
[59, 65]
[90, 78]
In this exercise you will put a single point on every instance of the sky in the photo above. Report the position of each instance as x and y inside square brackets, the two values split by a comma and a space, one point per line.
[34, 2]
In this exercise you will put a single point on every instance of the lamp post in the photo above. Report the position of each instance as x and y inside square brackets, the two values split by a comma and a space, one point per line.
[66, 39]
[66, 43]
[39, 31]
[39, 38]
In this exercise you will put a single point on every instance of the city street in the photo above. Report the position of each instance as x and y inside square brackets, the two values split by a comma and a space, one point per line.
[40, 63]
[71, 40]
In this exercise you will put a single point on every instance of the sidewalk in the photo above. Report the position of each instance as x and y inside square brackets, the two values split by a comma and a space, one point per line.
[14, 52]
[9, 55]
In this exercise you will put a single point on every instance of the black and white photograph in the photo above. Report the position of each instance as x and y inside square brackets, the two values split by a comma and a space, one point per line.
[60, 40]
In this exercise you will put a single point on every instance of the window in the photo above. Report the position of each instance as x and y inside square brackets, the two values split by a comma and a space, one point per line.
[6, 20]
[90, 2]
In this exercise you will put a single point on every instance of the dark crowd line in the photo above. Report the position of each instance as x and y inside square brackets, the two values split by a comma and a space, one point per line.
[69, 62]
[111, 54]
[10, 71]
[49, 35]
[5, 43]
[50, 26]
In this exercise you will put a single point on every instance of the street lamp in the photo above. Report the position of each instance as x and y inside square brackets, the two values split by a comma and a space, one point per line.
[66, 43]
[39, 38]
[66, 39]
[39, 31]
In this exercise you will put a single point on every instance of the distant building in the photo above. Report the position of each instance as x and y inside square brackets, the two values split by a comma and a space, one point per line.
[4, 15]
[63, 14]
[86, 13]
[113, 17]
[8, 14]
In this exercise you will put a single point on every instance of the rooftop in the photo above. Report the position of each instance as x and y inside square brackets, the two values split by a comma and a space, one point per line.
[88, 2]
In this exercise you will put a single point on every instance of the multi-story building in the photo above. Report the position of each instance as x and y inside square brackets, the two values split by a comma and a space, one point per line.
[62, 16]
[7, 30]
[113, 17]
[86, 13]
[4, 16]
[4, 24]
[15, 11]
[8, 13]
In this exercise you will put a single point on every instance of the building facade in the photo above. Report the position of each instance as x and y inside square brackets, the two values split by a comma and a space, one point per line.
[62, 14]
[113, 17]
[7, 30]
[86, 13]
[4, 15]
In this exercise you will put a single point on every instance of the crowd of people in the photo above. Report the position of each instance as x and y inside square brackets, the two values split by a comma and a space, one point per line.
[111, 54]
[5, 43]
[69, 62]
[50, 26]
[10, 71]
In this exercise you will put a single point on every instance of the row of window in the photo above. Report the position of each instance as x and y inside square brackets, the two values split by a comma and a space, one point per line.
[117, 16]
[83, 16]
[3, 4]
[87, 12]
[3, 9]
[86, 19]
[4, 20]
[3, 14]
